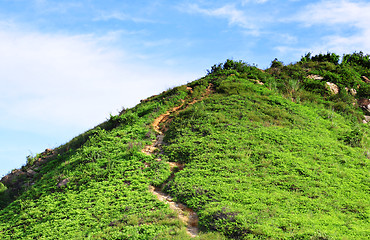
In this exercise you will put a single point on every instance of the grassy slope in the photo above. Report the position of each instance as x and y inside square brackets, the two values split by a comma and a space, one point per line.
[258, 165]
[107, 196]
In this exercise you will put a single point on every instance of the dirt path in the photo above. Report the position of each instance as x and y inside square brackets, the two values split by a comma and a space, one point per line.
[185, 214]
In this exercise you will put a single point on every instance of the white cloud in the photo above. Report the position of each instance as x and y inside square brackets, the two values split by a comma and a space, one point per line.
[341, 44]
[336, 12]
[346, 23]
[293, 52]
[233, 15]
[46, 6]
[55, 86]
[121, 17]
[244, 2]
[341, 16]
[52, 81]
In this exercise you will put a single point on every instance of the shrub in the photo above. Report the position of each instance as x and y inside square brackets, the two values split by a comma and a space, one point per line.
[276, 63]
[328, 57]
[358, 59]
[2, 188]
[238, 66]
[125, 119]
[354, 138]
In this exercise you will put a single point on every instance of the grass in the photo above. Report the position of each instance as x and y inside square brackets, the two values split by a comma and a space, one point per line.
[283, 160]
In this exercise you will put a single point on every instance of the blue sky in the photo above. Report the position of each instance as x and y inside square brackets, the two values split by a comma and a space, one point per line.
[66, 65]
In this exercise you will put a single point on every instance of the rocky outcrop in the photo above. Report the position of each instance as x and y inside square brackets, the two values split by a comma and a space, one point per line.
[258, 82]
[63, 182]
[365, 79]
[333, 88]
[352, 91]
[364, 103]
[19, 177]
[367, 119]
[13, 178]
[315, 77]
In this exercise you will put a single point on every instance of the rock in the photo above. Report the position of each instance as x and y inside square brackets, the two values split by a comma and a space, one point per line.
[333, 88]
[40, 162]
[367, 118]
[353, 91]
[63, 183]
[30, 173]
[259, 82]
[315, 77]
[159, 141]
[364, 103]
[26, 185]
[13, 178]
[365, 79]
[48, 152]
[189, 89]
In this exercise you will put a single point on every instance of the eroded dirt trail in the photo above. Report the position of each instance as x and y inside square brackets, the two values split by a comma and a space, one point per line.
[185, 214]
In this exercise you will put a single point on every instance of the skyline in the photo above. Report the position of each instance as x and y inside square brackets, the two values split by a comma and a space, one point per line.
[65, 67]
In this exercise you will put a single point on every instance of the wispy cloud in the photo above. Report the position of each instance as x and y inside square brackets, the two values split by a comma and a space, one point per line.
[351, 13]
[344, 27]
[71, 81]
[47, 6]
[229, 12]
[120, 16]
[341, 16]
[244, 2]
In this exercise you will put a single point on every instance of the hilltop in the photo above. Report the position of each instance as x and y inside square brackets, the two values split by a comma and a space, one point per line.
[241, 153]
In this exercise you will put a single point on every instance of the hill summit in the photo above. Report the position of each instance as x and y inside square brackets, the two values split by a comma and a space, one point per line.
[241, 153]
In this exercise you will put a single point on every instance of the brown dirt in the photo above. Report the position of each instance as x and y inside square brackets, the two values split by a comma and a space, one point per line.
[185, 214]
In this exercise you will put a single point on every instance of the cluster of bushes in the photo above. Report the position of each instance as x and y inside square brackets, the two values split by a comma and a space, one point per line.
[328, 57]
[259, 165]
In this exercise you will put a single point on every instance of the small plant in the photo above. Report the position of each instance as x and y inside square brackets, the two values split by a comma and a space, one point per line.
[31, 159]
[276, 63]
[354, 138]
[2, 188]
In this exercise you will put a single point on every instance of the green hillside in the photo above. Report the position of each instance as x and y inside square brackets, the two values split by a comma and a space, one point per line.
[256, 154]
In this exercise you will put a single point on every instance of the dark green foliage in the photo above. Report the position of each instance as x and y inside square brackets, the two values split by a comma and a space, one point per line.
[354, 138]
[276, 63]
[328, 57]
[126, 119]
[238, 66]
[357, 59]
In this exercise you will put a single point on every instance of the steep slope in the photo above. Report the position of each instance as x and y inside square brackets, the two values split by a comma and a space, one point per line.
[263, 154]
[260, 165]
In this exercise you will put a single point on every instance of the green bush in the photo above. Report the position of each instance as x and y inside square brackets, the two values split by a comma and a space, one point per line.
[357, 59]
[2, 188]
[354, 138]
[328, 57]
[276, 63]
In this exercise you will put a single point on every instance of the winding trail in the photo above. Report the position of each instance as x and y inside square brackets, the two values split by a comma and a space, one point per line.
[185, 214]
